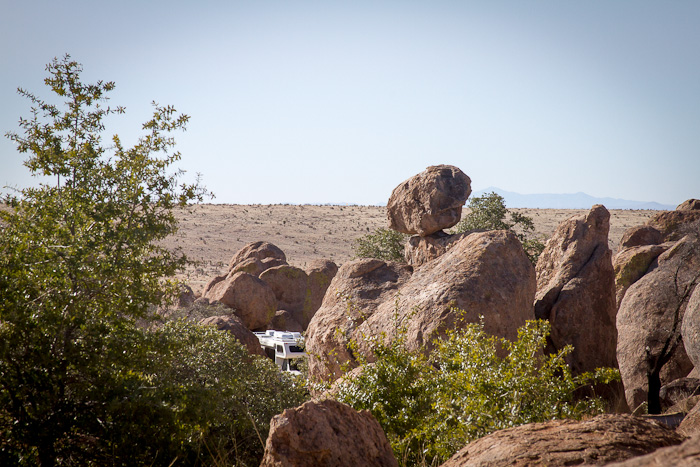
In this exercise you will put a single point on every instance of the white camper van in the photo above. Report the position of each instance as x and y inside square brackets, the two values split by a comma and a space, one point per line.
[284, 347]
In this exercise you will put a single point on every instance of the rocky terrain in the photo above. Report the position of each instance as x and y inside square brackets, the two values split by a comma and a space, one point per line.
[619, 287]
[213, 233]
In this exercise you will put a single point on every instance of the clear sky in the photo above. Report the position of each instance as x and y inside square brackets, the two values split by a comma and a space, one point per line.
[330, 101]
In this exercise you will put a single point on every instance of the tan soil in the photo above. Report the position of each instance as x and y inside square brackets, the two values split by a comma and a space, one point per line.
[212, 233]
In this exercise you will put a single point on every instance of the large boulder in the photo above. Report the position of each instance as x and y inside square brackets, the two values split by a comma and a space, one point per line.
[576, 290]
[430, 201]
[353, 295]
[690, 329]
[419, 250]
[631, 263]
[326, 433]
[321, 273]
[266, 254]
[485, 276]
[686, 454]
[649, 321]
[290, 285]
[233, 324]
[597, 441]
[251, 299]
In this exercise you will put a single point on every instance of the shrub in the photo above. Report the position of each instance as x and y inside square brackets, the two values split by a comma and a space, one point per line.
[384, 244]
[489, 212]
[432, 405]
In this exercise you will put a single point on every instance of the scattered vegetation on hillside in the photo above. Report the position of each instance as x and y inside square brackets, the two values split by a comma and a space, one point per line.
[430, 406]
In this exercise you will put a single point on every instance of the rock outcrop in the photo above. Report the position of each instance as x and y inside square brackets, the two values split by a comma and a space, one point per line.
[290, 285]
[353, 295]
[576, 290]
[429, 202]
[234, 325]
[686, 454]
[598, 441]
[251, 299]
[326, 433]
[419, 250]
[649, 321]
[485, 274]
[268, 254]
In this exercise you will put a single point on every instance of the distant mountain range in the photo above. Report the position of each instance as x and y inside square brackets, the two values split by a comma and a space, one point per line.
[568, 201]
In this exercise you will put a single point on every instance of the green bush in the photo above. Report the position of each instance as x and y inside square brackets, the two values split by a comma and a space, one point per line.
[432, 405]
[489, 212]
[85, 376]
[384, 244]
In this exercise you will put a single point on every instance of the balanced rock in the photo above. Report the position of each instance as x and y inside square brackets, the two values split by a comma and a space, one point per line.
[419, 250]
[251, 299]
[597, 441]
[430, 201]
[650, 318]
[353, 295]
[234, 325]
[326, 433]
[576, 290]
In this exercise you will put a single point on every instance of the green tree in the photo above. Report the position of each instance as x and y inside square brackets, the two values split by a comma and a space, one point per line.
[82, 379]
[384, 244]
[489, 212]
[430, 406]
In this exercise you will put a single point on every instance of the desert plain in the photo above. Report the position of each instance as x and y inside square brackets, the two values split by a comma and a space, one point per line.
[211, 234]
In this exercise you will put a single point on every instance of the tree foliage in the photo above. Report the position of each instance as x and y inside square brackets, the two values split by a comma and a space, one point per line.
[384, 244]
[489, 212]
[81, 382]
[430, 406]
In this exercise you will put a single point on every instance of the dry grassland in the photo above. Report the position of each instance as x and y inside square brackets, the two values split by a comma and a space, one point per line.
[212, 233]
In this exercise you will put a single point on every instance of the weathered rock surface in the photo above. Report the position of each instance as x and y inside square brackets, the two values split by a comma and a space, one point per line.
[419, 250]
[640, 235]
[598, 441]
[289, 284]
[326, 433]
[630, 265]
[484, 274]
[675, 392]
[690, 329]
[690, 426]
[675, 225]
[686, 454]
[234, 325]
[650, 317]
[689, 205]
[321, 273]
[429, 201]
[251, 299]
[284, 321]
[353, 295]
[576, 290]
[266, 253]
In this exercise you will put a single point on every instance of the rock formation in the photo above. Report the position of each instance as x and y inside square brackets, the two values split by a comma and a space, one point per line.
[653, 300]
[251, 299]
[354, 294]
[430, 201]
[419, 250]
[690, 329]
[484, 274]
[576, 290]
[598, 441]
[686, 454]
[326, 433]
[234, 325]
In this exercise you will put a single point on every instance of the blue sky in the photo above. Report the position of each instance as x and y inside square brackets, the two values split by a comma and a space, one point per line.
[329, 101]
